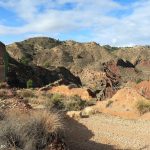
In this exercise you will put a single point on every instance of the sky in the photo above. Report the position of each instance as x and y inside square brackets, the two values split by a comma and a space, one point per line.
[107, 22]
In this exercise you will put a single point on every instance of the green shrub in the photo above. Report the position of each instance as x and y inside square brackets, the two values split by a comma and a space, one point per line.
[46, 64]
[29, 83]
[60, 102]
[143, 106]
[55, 101]
[139, 81]
[75, 103]
[24, 60]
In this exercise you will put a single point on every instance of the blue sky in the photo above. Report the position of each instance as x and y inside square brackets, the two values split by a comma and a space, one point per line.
[113, 22]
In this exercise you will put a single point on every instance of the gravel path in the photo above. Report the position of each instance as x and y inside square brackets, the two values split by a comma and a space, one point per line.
[101, 132]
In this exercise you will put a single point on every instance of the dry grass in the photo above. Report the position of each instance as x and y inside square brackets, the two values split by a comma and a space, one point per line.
[110, 102]
[29, 131]
[2, 115]
[26, 93]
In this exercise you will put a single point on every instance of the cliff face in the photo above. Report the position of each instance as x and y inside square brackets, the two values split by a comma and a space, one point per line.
[2, 62]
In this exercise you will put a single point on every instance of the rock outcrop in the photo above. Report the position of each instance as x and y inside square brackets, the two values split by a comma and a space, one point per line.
[101, 69]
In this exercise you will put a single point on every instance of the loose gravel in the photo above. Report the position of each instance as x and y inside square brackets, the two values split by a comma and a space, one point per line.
[103, 132]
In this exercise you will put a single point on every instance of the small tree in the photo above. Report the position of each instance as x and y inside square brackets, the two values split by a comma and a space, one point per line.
[29, 83]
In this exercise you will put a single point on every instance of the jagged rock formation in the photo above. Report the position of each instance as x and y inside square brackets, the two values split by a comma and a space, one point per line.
[100, 68]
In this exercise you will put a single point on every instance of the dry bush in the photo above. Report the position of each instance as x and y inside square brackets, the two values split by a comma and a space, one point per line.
[75, 103]
[35, 131]
[2, 115]
[143, 106]
[109, 103]
[3, 94]
[60, 102]
[26, 93]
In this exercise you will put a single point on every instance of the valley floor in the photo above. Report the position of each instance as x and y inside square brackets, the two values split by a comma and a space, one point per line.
[102, 132]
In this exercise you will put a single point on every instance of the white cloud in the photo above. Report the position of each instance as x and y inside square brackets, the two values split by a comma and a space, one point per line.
[46, 16]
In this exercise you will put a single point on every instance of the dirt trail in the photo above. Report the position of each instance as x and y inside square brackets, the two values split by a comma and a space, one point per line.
[101, 132]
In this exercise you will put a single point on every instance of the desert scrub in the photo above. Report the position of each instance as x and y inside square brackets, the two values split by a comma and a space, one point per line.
[35, 131]
[26, 93]
[75, 103]
[138, 81]
[55, 101]
[143, 106]
[3, 94]
[2, 115]
[29, 84]
[60, 102]
[25, 60]
[109, 103]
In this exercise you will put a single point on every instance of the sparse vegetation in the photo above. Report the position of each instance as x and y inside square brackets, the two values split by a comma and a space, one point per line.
[24, 60]
[2, 115]
[46, 64]
[138, 81]
[26, 93]
[75, 103]
[30, 132]
[29, 83]
[61, 102]
[143, 106]
[109, 103]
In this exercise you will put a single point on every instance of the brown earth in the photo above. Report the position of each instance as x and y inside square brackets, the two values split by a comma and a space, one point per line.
[144, 89]
[65, 90]
[104, 132]
[89, 61]
[123, 104]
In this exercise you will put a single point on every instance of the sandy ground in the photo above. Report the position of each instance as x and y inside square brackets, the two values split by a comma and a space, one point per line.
[103, 132]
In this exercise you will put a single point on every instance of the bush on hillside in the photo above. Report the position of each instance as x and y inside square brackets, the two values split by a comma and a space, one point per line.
[138, 81]
[143, 106]
[24, 60]
[60, 102]
[26, 93]
[29, 84]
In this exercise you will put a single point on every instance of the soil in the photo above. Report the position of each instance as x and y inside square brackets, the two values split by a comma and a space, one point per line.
[103, 132]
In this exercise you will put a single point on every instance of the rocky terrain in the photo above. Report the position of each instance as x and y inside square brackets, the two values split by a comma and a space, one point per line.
[97, 96]
[104, 132]
[102, 69]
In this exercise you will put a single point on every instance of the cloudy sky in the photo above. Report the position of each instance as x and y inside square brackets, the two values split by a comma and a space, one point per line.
[113, 22]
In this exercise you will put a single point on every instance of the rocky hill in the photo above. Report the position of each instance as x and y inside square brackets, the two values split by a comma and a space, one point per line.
[101, 68]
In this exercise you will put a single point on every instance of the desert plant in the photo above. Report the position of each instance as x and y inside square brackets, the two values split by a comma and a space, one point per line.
[55, 101]
[29, 83]
[60, 102]
[143, 106]
[26, 94]
[33, 132]
[138, 81]
[109, 103]
[75, 103]
[3, 94]
[2, 115]
[24, 60]
[46, 64]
